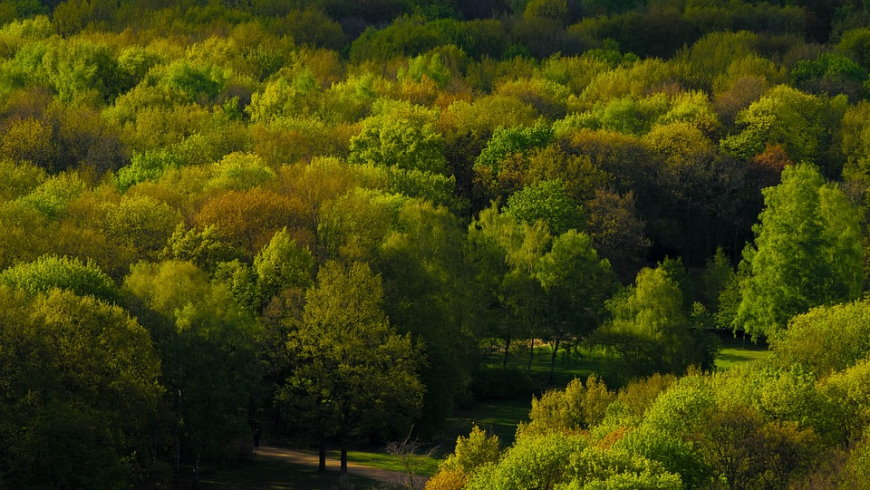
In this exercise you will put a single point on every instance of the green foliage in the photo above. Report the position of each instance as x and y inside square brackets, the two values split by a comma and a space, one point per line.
[206, 342]
[826, 339]
[247, 144]
[496, 167]
[507, 141]
[799, 122]
[239, 171]
[193, 83]
[533, 462]
[49, 272]
[204, 247]
[580, 406]
[650, 330]
[807, 253]
[546, 200]
[19, 179]
[83, 70]
[849, 391]
[677, 456]
[282, 264]
[609, 469]
[855, 44]
[356, 375]
[79, 393]
[142, 222]
[407, 141]
[147, 166]
[472, 452]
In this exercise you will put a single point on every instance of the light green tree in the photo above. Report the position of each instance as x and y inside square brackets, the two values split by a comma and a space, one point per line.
[282, 264]
[807, 252]
[650, 330]
[405, 139]
[576, 283]
[49, 272]
[546, 200]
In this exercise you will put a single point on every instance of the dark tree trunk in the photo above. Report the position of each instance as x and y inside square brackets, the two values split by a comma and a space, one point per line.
[343, 470]
[321, 453]
[531, 353]
[553, 358]
[507, 346]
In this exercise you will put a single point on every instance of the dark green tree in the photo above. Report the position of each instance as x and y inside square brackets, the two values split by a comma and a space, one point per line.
[355, 374]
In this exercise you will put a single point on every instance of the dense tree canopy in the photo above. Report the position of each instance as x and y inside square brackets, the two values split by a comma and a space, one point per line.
[336, 220]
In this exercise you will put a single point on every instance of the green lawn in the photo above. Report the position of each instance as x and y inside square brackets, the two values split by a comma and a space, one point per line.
[260, 473]
[569, 365]
[733, 355]
[425, 465]
[499, 417]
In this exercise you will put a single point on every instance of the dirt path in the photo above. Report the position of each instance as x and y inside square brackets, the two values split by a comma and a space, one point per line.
[305, 458]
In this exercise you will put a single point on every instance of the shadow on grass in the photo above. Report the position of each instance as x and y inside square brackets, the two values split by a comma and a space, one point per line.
[261, 473]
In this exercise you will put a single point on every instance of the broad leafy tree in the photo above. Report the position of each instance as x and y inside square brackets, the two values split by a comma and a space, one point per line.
[807, 252]
[356, 376]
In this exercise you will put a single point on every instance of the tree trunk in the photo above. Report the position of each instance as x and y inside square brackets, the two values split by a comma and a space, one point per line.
[507, 345]
[196, 468]
[531, 353]
[553, 358]
[343, 470]
[321, 453]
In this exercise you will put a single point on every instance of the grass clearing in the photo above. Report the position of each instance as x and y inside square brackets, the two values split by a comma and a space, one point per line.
[736, 351]
[499, 417]
[729, 357]
[572, 363]
[426, 465]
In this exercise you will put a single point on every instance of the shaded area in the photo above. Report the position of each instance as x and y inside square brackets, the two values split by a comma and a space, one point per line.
[267, 470]
[496, 417]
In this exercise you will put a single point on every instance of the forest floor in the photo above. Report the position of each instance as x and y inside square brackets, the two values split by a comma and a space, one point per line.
[283, 468]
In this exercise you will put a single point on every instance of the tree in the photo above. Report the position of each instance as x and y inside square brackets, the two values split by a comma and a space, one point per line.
[429, 292]
[617, 232]
[142, 223]
[494, 168]
[580, 406]
[803, 124]
[650, 330]
[355, 374]
[49, 272]
[248, 219]
[79, 392]
[505, 252]
[807, 253]
[282, 264]
[827, 338]
[533, 462]
[406, 140]
[546, 200]
[207, 345]
[576, 284]
[471, 452]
